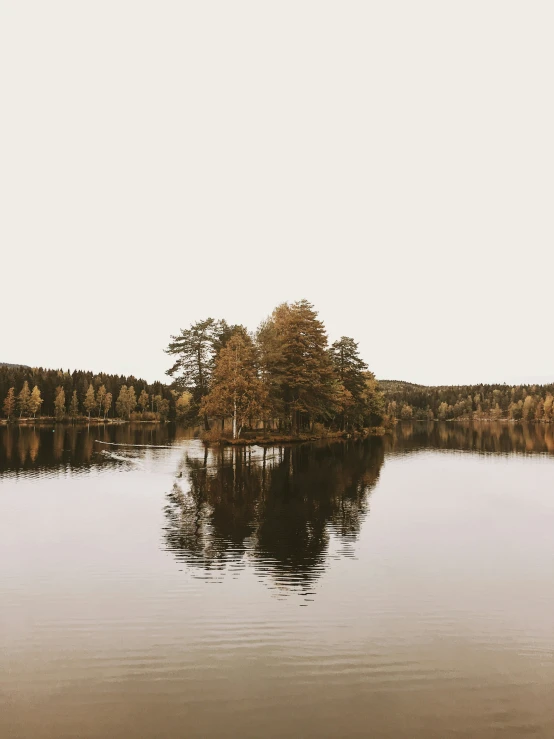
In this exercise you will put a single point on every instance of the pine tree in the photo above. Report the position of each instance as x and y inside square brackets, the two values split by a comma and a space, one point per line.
[35, 401]
[59, 404]
[74, 406]
[23, 399]
[196, 349]
[351, 371]
[89, 403]
[9, 403]
[300, 364]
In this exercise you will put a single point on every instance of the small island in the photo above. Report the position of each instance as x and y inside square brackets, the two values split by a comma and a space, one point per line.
[282, 382]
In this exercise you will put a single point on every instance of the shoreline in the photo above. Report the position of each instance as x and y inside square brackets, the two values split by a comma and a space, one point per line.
[49, 421]
[268, 440]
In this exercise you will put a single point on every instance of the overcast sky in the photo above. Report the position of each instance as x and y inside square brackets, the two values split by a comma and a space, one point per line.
[392, 162]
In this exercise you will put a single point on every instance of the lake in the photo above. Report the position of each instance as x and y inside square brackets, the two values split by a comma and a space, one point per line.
[393, 587]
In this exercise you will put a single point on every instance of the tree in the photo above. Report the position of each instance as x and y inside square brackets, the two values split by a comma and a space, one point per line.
[548, 410]
[163, 407]
[35, 401]
[74, 406]
[9, 403]
[182, 405]
[23, 399]
[144, 400]
[351, 371]
[236, 389]
[89, 403]
[195, 349]
[372, 401]
[100, 396]
[126, 402]
[297, 363]
[122, 402]
[107, 403]
[59, 404]
[528, 410]
[131, 401]
[406, 412]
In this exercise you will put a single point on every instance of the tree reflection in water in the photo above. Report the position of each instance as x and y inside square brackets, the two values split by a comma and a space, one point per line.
[276, 508]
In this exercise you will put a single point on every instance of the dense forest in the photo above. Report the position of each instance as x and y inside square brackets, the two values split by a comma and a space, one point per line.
[283, 377]
[31, 392]
[469, 402]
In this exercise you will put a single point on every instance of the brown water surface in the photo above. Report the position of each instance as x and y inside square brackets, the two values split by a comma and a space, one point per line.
[395, 587]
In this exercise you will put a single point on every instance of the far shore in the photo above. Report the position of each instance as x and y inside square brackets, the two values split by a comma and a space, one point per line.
[81, 421]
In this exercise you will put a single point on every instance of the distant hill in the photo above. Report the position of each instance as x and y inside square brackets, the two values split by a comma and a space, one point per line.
[515, 402]
[7, 364]
[390, 386]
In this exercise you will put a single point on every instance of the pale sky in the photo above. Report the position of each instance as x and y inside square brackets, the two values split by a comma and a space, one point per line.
[392, 162]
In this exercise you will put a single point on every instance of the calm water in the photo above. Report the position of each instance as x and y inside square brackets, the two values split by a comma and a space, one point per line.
[398, 587]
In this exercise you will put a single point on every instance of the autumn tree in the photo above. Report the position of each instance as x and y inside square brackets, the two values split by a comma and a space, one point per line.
[9, 403]
[131, 401]
[371, 402]
[236, 391]
[144, 400]
[122, 402]
[406, 412]
[528, 410]
[23, 399]
[182, 405]
[107, 403]
[548, 409]
[74, 406]
[59, 404]
[100, 396]
[89, 403]
[35, 401]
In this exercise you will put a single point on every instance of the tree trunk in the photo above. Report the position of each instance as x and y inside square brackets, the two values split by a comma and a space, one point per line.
[235, 419]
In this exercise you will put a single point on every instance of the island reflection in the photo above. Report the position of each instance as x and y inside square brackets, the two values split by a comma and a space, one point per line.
[276, 508]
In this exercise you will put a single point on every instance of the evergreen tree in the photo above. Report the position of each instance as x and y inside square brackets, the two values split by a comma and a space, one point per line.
[9, 403]
[351, 371]
[23, 399]
[196, 349]
[301, 366]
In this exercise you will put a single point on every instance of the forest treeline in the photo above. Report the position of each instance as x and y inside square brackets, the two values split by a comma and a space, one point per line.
[31, 392]
[284, 376]
[469, 402]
